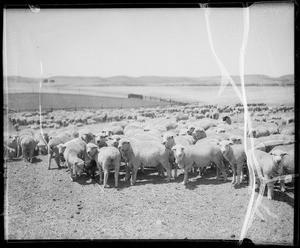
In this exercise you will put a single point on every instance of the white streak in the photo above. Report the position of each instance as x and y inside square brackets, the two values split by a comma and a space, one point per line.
[251, 159]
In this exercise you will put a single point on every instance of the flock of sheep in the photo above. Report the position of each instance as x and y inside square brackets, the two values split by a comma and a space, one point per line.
[190, 137]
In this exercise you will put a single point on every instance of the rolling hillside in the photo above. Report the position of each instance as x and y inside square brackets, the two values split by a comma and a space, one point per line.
[255, 80]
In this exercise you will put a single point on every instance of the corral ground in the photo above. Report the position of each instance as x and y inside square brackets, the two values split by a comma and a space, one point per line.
[45, 204]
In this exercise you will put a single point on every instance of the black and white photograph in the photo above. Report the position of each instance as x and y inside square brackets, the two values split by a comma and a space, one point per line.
[153, 123]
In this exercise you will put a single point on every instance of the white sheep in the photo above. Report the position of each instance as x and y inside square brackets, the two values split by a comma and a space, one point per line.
[146, 153]
[288, 161]
[73, 152]
[270, 165]
[199, 156]
[107, 158]
[236, 156]
[198, 134]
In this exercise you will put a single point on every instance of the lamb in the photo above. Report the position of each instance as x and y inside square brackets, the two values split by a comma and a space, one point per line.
[146, 153]
[73, 152]
[236, 156]
[270, 165]
[188, 156]
[107, 158]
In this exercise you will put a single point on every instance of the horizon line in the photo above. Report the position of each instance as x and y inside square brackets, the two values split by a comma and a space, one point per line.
[291, 74]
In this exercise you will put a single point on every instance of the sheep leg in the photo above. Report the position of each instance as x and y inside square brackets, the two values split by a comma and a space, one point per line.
[70, 171]
[218, 173]
[105, 169]
[282, 186]
[221, 166]
[24, 153]
[56, 158]
[233, 173]
[49, 159]
[75, 171]
[175, 171]
[134, 174]
[117, 168]
[31, 155]
[270, 186]
[127, 171]
[238, 176]
[185, 177]
[100, 171]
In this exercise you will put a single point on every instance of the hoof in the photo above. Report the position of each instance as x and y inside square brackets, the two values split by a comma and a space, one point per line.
[183, 183]
[168, 180]
[237, 186]
[106, 186]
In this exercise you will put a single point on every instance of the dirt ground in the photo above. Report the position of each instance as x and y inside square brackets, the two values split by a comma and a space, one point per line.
[45, 204]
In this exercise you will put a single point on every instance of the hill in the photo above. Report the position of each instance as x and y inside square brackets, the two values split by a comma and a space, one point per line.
[250, 80]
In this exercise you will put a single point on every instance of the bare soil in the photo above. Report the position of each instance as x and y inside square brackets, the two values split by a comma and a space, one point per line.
[45, 204]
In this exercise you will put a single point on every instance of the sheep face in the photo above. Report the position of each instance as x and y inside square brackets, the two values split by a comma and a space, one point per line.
[168, 141]
[91, 151]
[124, 145]
[277, 157]
[61, 149]
[190, 130]
[178, 151]
[42, 147]
[225, 146]
[79, 167]
[236, 140]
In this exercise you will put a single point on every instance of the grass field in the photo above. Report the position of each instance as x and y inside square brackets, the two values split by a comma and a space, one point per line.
[30, 101]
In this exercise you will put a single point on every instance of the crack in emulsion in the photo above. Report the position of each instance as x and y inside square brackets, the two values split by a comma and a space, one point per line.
[252, 162]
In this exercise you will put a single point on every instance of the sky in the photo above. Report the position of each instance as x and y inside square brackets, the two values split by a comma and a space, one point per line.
[138, 42]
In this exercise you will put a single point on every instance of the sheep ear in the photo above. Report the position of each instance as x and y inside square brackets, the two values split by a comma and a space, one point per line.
[230, 142]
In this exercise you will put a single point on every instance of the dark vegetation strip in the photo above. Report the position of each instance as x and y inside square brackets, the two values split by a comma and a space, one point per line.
[30, 101]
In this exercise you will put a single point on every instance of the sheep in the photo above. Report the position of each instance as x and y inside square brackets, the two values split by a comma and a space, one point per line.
[54, 141]
[189, 156]
[198, 134]
[73, 152]
[275, 140]
[226, 119]
[236, 156]
[100, 140]
[13, 142]
[169, 140]
[41, 142]
[146, 153]
[28, 144]
[8, 152]
[270, 165]
[106, 158]
[86, 135]
[288, 161]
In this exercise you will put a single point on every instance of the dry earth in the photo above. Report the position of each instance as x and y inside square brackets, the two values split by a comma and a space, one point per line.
[45, 204]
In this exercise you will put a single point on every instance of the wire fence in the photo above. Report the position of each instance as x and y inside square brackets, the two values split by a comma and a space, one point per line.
[73, 102]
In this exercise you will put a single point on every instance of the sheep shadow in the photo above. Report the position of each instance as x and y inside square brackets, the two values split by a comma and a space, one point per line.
[283, 197]
[86, 179]
[280, 196]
